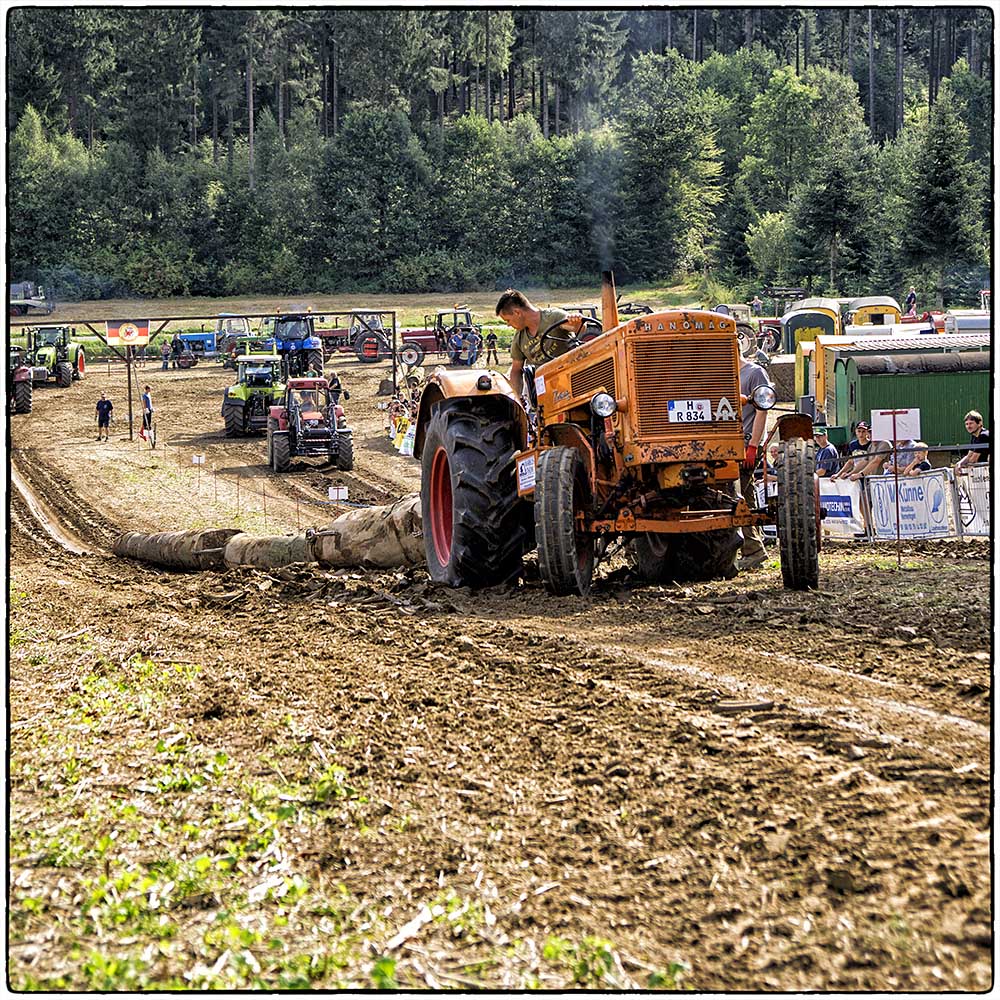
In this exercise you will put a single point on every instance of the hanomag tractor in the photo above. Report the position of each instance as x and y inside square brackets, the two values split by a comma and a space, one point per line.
[246, 404]
[307, 422]
[638, 437]
[52, 354]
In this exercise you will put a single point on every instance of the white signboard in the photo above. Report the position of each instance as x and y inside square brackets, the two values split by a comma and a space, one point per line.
[197, 459]
[907, 425]
[973, 489]
[337, 492]
[841, 499]
[924, 505]
[526, 474]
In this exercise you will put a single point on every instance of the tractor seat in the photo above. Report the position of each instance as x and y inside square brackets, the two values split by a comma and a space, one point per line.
[311, 415]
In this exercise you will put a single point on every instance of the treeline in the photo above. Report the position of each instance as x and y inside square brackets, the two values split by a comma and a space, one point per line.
[208, 151]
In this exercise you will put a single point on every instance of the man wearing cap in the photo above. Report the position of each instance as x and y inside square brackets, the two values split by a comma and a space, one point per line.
[827, 456]
[864, 456]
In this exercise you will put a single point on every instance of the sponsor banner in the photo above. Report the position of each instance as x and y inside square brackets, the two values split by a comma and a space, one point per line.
[127, 332]
[770, 530]
[973, 490]
[924, 505]
[841, 499]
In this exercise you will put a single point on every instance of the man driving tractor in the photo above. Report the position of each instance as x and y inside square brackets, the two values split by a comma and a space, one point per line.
[530, 323]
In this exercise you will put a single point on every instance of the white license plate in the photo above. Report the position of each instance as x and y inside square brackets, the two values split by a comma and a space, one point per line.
[689, 411]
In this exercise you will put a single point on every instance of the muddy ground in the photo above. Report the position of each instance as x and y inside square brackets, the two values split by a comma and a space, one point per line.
[308, 779]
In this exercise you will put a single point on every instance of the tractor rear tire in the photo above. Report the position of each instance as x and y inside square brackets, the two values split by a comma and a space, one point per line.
[345, 452]
[565, 557]
[368, 348]
[798, 514]
[280, 451]
[314, 360]
[411, 354]
[272, 425]
[64, 374]
[233, 416]
[22, 396]
[661, 557]
[80, 368]
[469, 503]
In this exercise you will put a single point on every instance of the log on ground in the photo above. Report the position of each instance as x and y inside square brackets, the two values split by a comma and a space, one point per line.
[374, 537]
[200, 549]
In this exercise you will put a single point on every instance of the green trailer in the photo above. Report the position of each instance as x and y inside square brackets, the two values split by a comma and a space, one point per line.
[944, 387]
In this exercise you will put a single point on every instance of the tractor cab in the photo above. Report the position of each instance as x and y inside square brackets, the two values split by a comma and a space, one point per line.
[258, 371]
[307, 423]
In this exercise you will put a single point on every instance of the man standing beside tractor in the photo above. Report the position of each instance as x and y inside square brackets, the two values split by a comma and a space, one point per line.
[752, 554]
[530, 324]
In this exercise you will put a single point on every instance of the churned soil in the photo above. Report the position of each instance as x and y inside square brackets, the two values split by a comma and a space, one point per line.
[771, 790]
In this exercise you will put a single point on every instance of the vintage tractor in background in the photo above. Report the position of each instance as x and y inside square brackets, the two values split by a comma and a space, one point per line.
[435, 334]
[307, 423]
[259, 384]
[52, 354]
[632, 437]
[293, 336]
[223, 342]
[19, 387]
[26, 295]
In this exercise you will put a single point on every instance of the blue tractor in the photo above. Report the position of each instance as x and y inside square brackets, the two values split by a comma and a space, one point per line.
[293, 336]
[222, 342]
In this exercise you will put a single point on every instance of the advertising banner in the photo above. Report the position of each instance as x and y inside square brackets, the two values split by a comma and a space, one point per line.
[924, 505]
[973, 491]
[841, 499]
[128, 332]
[772, 491]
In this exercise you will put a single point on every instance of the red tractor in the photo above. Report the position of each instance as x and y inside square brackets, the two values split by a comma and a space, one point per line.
[309, 422]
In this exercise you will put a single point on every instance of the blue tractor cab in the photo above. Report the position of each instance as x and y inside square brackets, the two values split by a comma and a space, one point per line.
[212, 343]
[293, 336]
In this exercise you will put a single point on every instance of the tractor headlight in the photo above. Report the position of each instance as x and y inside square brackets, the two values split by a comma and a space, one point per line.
[603, 404]
[484, 382]
[764, 397]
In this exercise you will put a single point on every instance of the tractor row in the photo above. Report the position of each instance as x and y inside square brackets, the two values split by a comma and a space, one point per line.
[48, 354]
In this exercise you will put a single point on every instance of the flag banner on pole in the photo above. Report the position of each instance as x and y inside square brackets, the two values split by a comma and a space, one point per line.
[128, 332]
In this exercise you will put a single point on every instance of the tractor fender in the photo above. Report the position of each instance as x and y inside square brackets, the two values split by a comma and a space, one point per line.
[311, 343]
[280, 414]
[443, 384]
[795, 425]
[571, 436]
[22, 374]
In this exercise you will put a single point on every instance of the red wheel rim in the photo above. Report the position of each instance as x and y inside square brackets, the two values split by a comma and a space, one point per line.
[370, 349]
[81, 363]
[441, 506]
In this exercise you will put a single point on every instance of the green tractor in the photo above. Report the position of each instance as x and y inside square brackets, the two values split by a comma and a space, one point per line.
[259, 385]
[52, 354]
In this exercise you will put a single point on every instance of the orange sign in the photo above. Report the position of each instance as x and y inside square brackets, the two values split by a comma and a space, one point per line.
[128, 332]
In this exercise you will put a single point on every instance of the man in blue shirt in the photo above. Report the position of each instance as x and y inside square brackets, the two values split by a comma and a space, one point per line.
[827, 456]
[104, 408]
[147, 413]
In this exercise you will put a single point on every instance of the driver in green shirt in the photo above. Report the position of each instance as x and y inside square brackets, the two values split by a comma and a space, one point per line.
[530, 323]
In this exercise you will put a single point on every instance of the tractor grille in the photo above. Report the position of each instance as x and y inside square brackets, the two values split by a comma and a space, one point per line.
[683, 368]
[587, 381]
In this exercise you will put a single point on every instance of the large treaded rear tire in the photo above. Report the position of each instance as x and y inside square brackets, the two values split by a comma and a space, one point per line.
[565, 558]
[469, 504]
[280, 451]
[798, 530]
[64, 374]
[233, 416]
[345, 452]
[687, 558]
[22, 396]
[314, 360]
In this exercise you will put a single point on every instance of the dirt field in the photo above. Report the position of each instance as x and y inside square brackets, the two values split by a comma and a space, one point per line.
[314, 779]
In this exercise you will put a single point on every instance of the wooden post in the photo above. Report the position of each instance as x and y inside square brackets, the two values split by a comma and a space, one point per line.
[263, 496]
[128, 376]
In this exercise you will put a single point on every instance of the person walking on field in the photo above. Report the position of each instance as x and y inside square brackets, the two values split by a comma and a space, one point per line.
[104, 408]
[176, 346]
[491, 349]
[910, 302]
[147, 414]
[165, 354]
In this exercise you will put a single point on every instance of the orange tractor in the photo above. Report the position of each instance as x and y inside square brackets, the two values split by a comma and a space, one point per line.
[632, 436]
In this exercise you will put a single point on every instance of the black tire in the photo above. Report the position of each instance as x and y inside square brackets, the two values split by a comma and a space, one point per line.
[565, 557]
[64, 374]
[686, 558]
[314, 360]
[469, 503]
[22, 396]
[798, 528]
[747, 339]
[368, 348]
[280, 451]
[233, 416]
[345, 452]
[411, 354]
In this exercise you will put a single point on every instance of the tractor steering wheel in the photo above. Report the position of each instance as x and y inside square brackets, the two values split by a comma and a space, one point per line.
[555, 341]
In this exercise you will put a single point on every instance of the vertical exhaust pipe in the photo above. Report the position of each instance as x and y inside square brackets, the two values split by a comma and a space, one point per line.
[609, 301]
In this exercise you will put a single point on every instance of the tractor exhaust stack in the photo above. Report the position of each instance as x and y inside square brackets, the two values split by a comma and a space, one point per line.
[609, 301]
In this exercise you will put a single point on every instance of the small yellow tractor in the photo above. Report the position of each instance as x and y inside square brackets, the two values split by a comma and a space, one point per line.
[633, 436]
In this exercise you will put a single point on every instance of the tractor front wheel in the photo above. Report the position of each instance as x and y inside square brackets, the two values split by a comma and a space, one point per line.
[411, 354]
[798, 517]
[280, 450]
[233, 416]
[344, 458]
[473, 535]
[565, 555]
[22, 396]
[64, 374]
